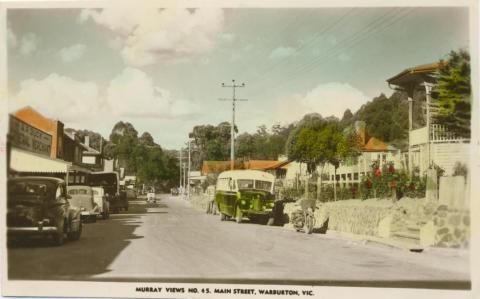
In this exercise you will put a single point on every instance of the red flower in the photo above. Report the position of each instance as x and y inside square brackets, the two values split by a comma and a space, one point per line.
[378, 172]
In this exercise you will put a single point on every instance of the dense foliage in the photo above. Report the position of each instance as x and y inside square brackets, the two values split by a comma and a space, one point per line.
[453, 93]
[142, 157]
[386, 118]
[212, 143]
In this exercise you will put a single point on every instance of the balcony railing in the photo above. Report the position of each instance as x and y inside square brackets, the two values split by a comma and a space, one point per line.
[438, 133]
[441, 133]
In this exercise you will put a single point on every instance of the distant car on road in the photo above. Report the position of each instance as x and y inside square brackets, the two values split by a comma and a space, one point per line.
[40, 206]
[151, 196]
[82, 198]
[101, 201]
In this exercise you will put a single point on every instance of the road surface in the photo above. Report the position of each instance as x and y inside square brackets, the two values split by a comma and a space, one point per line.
[170, 241]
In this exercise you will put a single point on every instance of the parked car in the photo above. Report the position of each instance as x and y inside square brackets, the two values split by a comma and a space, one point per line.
[40, 206]
[246, 193]
[101, 201]
[82, 198]
[111, 185]
[211, 204]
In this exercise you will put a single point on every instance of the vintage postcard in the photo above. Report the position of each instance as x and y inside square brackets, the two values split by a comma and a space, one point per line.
[245, 149]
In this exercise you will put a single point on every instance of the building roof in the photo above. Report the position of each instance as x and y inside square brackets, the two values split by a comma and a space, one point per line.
[374, 144]
[247, 174]
[259, 164]
[415, 73]
[219, 166]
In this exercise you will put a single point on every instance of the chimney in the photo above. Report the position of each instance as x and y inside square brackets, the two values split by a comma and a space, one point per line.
[87, 141]
[360, 131]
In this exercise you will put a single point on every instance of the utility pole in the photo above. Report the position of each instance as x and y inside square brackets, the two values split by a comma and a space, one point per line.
[232, 129]
[188, 174]
[180, 165]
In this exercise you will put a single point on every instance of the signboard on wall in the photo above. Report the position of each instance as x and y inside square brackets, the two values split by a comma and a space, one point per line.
[26, 137]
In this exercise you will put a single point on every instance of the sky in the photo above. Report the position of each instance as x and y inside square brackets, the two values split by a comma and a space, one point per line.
[162, 69]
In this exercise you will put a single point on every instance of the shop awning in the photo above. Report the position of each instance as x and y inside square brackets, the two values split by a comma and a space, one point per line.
[23, 161]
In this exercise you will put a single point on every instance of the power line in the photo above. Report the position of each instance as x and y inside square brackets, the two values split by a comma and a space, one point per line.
[383, 22]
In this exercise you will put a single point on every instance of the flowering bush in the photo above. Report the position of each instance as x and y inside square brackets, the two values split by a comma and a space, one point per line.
[385, 182]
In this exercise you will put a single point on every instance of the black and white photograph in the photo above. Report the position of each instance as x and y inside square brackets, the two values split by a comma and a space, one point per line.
[239, 149]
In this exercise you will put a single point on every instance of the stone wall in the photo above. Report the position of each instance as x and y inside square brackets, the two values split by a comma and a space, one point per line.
[449, 228]
[417, 221]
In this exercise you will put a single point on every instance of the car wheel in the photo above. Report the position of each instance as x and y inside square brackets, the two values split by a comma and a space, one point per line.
[74, 236]
[58, 237]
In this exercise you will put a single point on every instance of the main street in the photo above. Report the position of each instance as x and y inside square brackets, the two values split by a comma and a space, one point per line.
[170, 241]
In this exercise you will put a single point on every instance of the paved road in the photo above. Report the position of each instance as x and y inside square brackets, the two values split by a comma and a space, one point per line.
[170, 241]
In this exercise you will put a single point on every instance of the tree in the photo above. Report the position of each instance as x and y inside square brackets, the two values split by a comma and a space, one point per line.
[453, 93]
[386, 118]
[210, 143]
[316, 141]
[146, 139]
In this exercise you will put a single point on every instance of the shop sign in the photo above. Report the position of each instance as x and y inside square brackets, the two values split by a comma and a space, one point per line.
[26, 137]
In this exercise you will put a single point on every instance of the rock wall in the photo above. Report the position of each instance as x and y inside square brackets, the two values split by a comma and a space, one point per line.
[426, 222]
[452, 227]
[354, 216]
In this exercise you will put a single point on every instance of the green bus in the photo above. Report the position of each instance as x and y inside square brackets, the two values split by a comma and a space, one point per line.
[243, 194]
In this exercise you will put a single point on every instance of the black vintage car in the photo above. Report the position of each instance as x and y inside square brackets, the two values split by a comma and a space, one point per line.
[40, 206]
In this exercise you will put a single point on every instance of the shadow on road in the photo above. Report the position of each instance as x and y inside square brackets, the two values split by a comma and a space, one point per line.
[99, 245]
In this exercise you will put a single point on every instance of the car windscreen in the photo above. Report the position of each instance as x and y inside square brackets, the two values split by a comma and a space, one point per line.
[263, 185]
[25, 188]
[245, 184]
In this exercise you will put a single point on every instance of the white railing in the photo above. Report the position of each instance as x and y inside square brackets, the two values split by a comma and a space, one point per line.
[441, 133]
[438, 133]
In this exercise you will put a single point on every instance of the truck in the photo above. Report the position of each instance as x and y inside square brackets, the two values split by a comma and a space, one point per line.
[110, 183]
